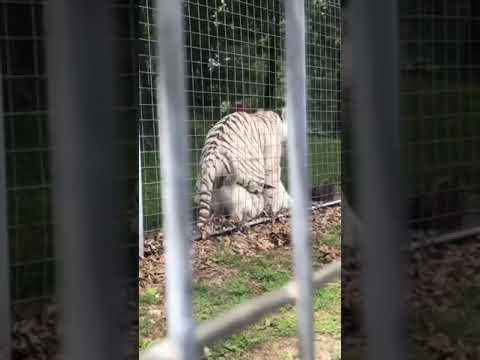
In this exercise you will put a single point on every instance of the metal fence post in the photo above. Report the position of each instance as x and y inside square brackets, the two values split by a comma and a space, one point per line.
[5, 324]
[85, 169]
[298, 174]
[141, 240]
[172, 111]
[374, 31]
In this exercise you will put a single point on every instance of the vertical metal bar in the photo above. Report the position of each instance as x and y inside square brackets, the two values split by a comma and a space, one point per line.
[5, 324]
[298, 174]
[171, 107]
[140, 201]
[380, 188]
[85, 169]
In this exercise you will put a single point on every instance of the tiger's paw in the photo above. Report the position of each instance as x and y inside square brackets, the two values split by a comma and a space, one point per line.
[204, 231]
[270, 213]
[204, 234]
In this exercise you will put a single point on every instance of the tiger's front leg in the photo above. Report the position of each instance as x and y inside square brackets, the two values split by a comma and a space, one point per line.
[273, 153]
[272, 189]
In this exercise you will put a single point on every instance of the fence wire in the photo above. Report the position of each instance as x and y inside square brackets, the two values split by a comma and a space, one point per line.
[27, 141]
[438, 139]
[438, 123]
[235, 62]
[5, 318]
[22, 42]
[183, 342]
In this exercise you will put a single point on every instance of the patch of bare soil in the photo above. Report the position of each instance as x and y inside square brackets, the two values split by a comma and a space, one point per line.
[326, 348]
[272, 235]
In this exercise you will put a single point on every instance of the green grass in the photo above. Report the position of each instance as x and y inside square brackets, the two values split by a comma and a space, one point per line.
[280, 325]
[149, 325]
[253, 275]
[334, 237]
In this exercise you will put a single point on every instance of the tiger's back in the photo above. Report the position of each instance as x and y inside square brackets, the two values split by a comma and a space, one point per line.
[234, 151]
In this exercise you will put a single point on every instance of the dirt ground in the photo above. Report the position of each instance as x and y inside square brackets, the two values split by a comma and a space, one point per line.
[443, 300]
[264, 238]
[326, 348]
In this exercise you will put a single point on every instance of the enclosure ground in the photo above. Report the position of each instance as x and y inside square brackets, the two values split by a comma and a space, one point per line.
[239, 266]
[326, 348]
[443, 302]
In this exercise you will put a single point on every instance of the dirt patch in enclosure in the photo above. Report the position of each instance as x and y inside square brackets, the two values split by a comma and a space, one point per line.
[326, 348]
[263, 237]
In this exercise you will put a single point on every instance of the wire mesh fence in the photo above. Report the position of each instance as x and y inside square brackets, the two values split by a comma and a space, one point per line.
[184, 340]
[438, 141]
[235, 62]
[439, 130]
[439, 89]
[23, 41]
[27, 147]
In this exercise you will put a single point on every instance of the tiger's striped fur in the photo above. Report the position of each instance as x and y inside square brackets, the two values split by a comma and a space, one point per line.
[242, 149]
[234, 201]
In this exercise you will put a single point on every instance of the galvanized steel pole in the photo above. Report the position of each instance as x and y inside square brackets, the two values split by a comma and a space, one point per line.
[85, 167]
[375, 95]
[298, 173]
[171, 108]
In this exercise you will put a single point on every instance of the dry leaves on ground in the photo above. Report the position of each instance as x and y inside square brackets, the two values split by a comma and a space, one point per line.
[443, 301]
[259, 238]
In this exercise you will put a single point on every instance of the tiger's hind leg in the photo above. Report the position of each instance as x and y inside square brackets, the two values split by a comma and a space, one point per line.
[207, 198]
[280, 202]
[246, 206]
[204, 230]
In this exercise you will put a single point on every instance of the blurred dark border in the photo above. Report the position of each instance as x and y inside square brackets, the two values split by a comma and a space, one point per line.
[31, 144]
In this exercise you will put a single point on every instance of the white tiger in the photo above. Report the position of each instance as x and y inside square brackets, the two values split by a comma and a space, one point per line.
[240, 166]
[235, 201]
